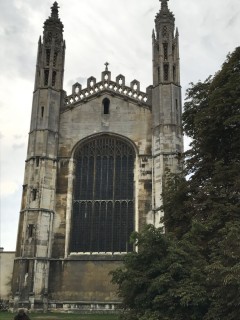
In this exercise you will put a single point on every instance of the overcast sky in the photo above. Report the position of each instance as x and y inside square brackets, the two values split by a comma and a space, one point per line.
[96, 31]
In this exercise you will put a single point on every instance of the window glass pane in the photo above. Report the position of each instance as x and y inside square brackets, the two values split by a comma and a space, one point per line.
[103, 210]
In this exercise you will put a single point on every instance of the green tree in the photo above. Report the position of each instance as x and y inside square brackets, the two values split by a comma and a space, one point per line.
[193, 270]
[212, 120]
[164, 280]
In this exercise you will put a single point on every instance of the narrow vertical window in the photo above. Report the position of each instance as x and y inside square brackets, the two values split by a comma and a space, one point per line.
[55, 59]
[37, 162]
[158, 74]
[173, 51]
[30, 230]
[177, 111]
[54, 75]
[165, 51]
[174, 74]
[26, 266]
[42, 112]
[46, 75]
[166, 69]
[106, 106]
[164, 31]
[34, 194]
[48, 53]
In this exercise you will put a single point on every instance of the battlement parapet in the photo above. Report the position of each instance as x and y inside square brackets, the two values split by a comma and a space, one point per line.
[116, 87]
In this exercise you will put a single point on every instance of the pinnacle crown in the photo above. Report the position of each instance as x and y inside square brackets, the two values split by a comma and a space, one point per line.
[54, 9]
[164, 6]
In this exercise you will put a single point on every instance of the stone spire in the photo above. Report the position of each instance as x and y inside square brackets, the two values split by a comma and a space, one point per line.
[164, 12]
[53, 24]
[51, 53]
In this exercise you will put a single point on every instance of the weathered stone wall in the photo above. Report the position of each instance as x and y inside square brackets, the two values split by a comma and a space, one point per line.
[89, 280]
[6, 271]
[85, 279]
[125, 119]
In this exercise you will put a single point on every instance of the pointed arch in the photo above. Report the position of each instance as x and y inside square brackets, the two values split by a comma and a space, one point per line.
[103, 196]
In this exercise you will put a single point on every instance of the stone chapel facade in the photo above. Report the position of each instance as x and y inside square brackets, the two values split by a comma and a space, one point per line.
[94, 172]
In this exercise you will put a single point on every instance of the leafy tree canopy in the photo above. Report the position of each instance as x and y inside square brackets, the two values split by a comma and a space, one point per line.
[193, 270]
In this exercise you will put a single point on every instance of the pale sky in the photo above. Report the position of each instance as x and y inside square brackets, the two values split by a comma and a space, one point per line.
[96, 31]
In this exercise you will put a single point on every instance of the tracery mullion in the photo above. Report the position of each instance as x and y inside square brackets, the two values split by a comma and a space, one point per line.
[120, 227]
[78, 192]
[126, 228]
[87, 186]
[105, 227]
[99, 226]
[127, 175]
[113, 192]
[93, 198]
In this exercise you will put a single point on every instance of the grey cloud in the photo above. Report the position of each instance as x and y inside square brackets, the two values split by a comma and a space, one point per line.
[18, 146]
[17, 136]
[18, 41]
[232, 20]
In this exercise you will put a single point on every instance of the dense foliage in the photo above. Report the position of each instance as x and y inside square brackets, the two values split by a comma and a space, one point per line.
[193, 271]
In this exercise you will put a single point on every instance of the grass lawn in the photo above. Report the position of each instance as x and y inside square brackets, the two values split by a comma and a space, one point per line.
[61, 316]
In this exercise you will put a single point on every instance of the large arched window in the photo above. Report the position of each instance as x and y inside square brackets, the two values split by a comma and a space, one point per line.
[103, 202]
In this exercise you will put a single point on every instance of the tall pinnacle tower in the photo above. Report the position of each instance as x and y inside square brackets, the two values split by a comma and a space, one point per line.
[167, 143]
[31, 269]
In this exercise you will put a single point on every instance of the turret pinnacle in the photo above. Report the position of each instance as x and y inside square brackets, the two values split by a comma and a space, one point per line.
[53, 27]
[164, 15]
[164, 4]
[54, 9]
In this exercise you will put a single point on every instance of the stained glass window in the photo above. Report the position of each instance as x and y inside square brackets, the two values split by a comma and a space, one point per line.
[103, 204]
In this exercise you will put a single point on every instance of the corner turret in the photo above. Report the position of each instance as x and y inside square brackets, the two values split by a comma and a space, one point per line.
[166, 104]
[51, 53]
[34, 245]
[165, 48]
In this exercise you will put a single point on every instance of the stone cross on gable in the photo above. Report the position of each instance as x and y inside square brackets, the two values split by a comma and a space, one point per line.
[106, 64]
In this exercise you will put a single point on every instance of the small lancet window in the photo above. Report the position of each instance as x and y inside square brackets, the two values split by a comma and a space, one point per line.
[106, 106]
[174, 74]
[48, 53]
[177, 116]
[158, 74]
[30, 230]
[166, 69]
[165, 51]
[55, 59]
[42, 112]
[164, 31]
[46, 75]
[173, 51]
[27, 267]
[37, 161]
[54, 75]
[34, 194]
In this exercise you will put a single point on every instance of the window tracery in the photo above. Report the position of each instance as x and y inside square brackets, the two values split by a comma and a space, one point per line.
[103, 205]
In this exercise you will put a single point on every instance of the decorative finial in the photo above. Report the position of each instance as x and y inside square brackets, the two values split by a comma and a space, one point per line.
[106, 64]
[164, 4]
[55, 8]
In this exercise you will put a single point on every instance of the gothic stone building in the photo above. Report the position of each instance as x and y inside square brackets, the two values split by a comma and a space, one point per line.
[94, 172]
